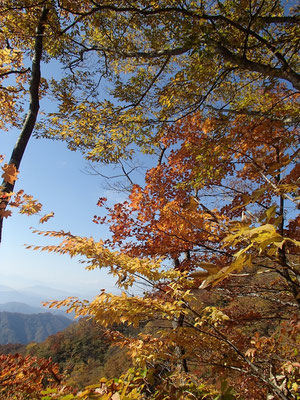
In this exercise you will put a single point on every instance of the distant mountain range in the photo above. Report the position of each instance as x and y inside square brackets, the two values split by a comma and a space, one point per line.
[29, 300]
[16, 307]
[33, 295]
[26, 328]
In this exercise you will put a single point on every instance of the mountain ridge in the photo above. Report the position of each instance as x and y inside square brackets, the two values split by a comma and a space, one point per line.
[22, 300]
[23, 308]
[26, 328]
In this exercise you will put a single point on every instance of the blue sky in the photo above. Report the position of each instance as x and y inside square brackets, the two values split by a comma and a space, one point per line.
[55, 176]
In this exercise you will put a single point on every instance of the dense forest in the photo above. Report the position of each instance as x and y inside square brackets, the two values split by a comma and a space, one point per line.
[205, 248]
[82, 351]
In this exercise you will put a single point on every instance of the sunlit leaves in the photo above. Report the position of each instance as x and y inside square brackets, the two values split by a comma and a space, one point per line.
[25, 203]
[21, 377]
[30, 205]
[96, 255]
[163, 62]
[209, 214]
[46, 217]
[199, 80]
[10, 173]
[109, 309]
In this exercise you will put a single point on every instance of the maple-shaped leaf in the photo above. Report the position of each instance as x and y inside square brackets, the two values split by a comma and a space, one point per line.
[46, 217]
[5, 213]
[10, 173]
[31, 206]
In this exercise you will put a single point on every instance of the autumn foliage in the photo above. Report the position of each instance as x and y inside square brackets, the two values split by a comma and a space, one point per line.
[208, 238]
[205, 249]
[25, 377]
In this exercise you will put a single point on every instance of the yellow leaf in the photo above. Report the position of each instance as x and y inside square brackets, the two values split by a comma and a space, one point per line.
[277, 241]
[287, 188]
[295, 386]
[46, 217]
[212, 268]
[240, 252]
[257, 193]
[270, 213]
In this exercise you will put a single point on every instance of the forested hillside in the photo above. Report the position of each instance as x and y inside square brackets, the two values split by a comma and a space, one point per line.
[204, 241]
[25, 328]
[86, 351]
[83, 352]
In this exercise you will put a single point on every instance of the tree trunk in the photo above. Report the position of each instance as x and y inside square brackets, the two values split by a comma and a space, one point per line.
[34, 106]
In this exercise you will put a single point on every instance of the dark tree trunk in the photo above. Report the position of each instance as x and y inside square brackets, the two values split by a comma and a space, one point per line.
[34, 106]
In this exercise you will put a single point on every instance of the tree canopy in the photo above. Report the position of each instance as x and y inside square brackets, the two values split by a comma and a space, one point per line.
[211, 89]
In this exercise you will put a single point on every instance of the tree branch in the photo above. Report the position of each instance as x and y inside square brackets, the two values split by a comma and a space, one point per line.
[22, 71]
[266, 70]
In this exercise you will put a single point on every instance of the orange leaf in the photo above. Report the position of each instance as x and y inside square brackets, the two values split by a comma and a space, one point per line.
[10, 173]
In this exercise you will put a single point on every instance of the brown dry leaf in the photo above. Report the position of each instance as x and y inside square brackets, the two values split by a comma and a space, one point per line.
[10, 173]
[5, 213]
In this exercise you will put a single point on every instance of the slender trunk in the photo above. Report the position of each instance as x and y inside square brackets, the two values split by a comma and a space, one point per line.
[294, 288]
[179, 323]
[34, 106]
[181, 348]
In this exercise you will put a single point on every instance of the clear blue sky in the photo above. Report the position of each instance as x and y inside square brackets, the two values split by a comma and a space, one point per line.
[54, 175]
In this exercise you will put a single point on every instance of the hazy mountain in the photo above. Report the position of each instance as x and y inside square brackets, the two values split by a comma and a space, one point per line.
[8, 294]
[25, 328]
[17, 307]
[45, 292]
[30, 299]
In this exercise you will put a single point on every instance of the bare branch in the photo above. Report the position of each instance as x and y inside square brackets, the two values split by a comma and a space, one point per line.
[21, 71]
